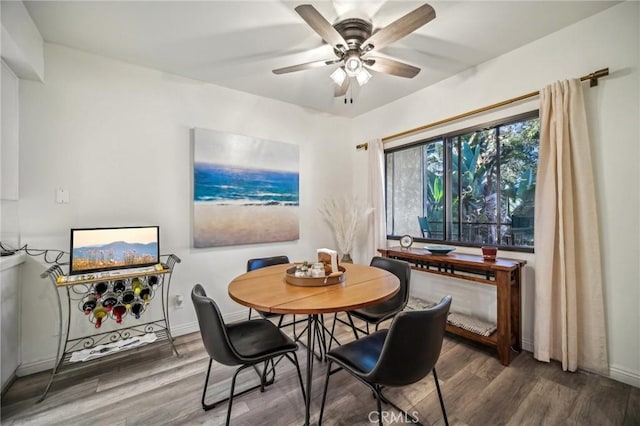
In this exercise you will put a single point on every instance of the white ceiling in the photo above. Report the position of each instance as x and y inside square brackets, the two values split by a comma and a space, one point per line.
[236, 44]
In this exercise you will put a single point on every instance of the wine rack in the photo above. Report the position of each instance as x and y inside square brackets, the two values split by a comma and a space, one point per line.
[120, 299]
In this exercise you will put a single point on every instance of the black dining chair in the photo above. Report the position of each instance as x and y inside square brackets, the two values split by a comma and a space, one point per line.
[263, 262]
[245, 343]
[399, 356]
[383, 311]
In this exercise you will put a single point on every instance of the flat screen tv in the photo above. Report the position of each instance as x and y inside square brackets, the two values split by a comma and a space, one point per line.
[104, 249]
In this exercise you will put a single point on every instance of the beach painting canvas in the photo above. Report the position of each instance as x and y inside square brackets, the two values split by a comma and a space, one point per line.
[245, 190]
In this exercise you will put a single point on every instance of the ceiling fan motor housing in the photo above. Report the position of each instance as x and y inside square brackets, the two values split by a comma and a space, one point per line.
[354, 31]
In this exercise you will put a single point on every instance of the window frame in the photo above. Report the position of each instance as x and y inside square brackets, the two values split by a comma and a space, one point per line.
[447, 164]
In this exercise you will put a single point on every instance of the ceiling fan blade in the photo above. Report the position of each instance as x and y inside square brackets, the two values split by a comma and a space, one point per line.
[391, 66]
[399, 28]
[321, 26]
[342, 90]
[307, 66]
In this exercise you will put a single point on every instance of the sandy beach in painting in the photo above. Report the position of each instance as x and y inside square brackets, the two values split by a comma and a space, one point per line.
[222, 225]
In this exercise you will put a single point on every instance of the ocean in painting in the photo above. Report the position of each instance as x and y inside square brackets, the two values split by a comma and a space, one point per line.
[232, 185]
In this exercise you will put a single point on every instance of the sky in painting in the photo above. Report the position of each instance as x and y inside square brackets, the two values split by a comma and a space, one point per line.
[211, 146]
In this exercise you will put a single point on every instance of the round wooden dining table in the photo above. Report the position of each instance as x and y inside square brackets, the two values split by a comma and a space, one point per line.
[266, 290]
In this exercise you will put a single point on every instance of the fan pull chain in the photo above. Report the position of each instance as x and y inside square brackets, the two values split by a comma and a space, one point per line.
[350, 89]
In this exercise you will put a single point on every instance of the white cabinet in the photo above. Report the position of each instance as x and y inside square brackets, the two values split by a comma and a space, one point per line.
[10, 316]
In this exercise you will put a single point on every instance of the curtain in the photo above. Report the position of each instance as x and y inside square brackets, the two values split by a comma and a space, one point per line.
[377, 237]
[569, 320]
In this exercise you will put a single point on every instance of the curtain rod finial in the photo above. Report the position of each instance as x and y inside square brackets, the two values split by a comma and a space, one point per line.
[364, 146]
[594, 76]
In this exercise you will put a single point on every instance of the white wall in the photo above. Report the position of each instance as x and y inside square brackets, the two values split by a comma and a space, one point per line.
[117, 137]
[22, 44]
[609, 39]
[9, 158]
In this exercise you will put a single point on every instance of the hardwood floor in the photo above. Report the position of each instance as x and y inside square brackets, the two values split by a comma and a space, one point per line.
[151, 386]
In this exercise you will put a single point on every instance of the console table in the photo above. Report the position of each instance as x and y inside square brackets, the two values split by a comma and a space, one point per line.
[505, 274]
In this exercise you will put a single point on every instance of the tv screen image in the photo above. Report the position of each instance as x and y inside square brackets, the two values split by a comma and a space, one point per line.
[103, 249]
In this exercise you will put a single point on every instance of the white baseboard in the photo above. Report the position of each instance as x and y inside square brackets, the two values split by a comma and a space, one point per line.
[7, 384]
[35, 367]
[625, 376]
[527, 345]
[183, 329]
[615, 373]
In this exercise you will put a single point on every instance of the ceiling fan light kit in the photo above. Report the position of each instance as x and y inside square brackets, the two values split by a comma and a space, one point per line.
[338, 76]
[353, 64]
[353, 40]
[363, 77]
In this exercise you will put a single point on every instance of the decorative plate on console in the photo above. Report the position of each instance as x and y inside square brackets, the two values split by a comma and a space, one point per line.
[440, 249]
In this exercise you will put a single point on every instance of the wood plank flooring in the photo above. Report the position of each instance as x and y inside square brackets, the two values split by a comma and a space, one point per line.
[151, 386]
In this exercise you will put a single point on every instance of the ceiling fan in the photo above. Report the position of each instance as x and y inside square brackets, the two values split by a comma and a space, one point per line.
[354, 42]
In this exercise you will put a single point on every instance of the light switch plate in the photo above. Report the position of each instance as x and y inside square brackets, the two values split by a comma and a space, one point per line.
[62, 196]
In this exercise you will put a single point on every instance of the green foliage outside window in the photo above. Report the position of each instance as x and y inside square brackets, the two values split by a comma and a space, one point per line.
[474, 187]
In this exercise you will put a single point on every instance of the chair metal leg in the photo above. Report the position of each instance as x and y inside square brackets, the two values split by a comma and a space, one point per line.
[297, 337]
[378, 403]
[295, 362]
[324, 394]
[270, 369]
[332, 338]
[263, 376]
[384, 399]
[249, 313]
[353, 326]
[204, 391]
[294, 328]
[333, 329]
[208, 407]
[233, 387]
[444, 412]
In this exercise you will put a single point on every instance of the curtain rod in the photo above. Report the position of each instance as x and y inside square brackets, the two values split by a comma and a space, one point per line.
[593, 81]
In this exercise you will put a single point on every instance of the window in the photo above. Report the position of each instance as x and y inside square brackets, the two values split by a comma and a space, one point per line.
[473, 187]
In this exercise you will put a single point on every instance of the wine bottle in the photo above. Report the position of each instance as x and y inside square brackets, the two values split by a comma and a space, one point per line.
[145, 294]
[99, 312]
[101, 287]
[136, 285]
[136, 309]
[109, 300]
[89, 303]
[118, 311]
[118, 286]
[127, 298]
[152, 280]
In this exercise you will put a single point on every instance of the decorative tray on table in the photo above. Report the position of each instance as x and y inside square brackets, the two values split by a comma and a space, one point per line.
[331, 279]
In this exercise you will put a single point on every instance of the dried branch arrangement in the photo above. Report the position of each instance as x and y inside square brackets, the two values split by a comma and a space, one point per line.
[345, 214]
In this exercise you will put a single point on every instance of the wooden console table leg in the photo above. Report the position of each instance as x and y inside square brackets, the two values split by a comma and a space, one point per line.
[516, 303]
[503, 284]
